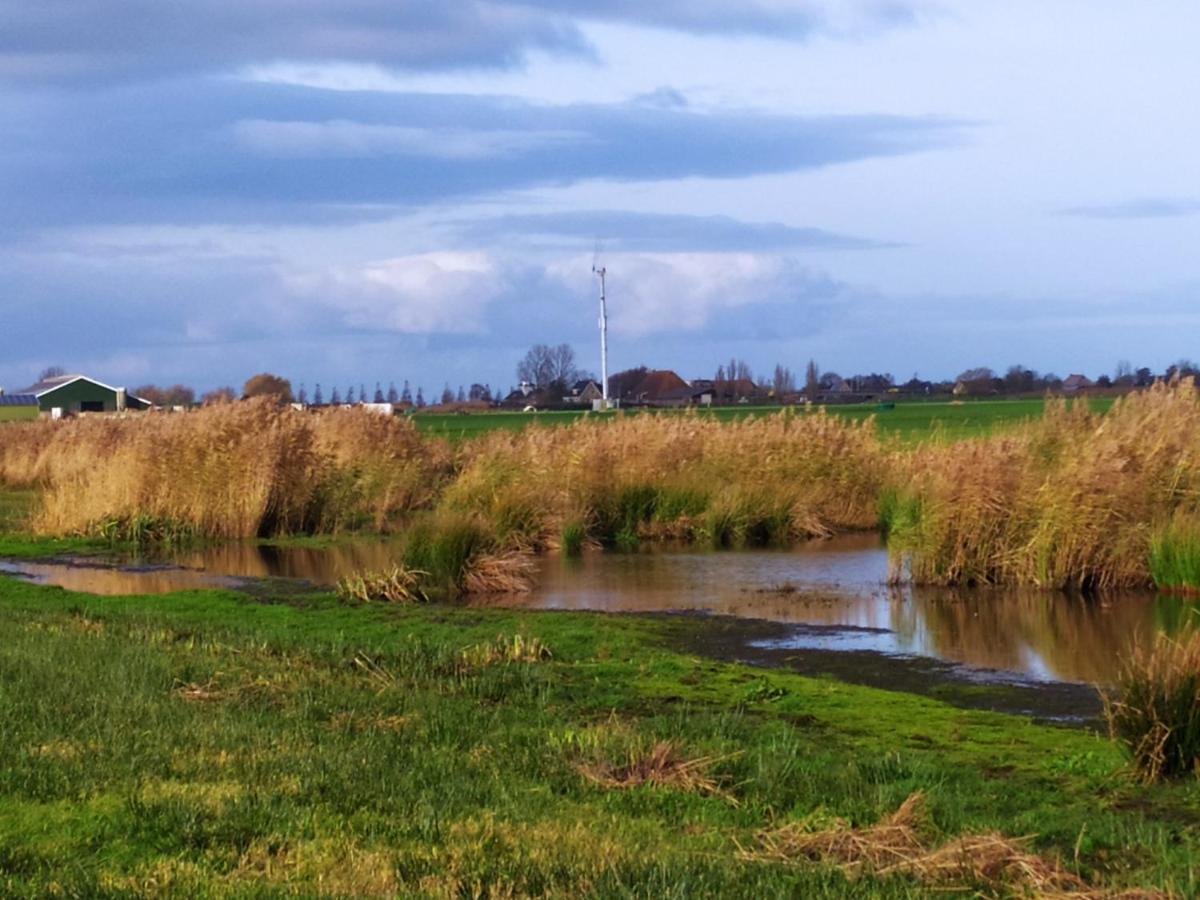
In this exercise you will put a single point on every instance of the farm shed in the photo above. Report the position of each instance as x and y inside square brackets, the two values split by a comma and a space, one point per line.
[71, 394]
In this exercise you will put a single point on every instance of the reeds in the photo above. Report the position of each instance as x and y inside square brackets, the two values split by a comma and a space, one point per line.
[1154, 710]
[395, 585]
[630, 479]
[660, 765]
[228, 471]
[1068, 501]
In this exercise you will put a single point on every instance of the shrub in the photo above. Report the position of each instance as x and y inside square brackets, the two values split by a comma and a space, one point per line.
[1154, 710]
[395, 585]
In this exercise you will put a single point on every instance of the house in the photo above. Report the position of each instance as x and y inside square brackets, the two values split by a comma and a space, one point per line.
[583, 393]
[658, 387]
[66, 395]
[1073, 383]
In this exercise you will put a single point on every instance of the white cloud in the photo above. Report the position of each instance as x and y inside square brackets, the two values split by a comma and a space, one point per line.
[652, 293]
[446, 292]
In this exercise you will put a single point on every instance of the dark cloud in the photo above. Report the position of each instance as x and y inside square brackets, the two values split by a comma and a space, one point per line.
[97, 40]
[658, 233]
[1143, 208]
[221, 150]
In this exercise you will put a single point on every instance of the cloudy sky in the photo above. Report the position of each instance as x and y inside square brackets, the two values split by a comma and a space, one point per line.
[352, 191]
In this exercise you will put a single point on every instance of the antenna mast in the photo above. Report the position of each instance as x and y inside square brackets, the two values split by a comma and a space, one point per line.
[602, 272]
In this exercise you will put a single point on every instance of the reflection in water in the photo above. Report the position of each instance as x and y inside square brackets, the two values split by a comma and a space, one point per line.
[838, 586]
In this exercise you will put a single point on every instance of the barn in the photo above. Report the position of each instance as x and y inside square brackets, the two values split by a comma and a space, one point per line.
[66, 395]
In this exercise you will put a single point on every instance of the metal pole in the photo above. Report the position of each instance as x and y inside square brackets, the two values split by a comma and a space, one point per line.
[603, 335]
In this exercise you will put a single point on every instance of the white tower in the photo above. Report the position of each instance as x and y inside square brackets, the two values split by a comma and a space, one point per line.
[602, 272]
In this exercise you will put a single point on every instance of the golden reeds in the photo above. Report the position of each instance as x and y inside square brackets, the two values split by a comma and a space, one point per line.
[662, 765]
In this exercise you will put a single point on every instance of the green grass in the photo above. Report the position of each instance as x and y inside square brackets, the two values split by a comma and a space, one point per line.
[18, 413]
[911, 420]
[203, 744]
[1175, 556]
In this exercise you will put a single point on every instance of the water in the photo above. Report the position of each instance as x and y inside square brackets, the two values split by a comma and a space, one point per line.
[826, 597]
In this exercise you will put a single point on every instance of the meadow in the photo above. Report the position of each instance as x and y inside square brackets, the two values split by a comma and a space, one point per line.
[207, 744]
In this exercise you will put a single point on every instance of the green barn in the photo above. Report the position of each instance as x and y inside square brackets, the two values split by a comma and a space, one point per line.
[68, 395]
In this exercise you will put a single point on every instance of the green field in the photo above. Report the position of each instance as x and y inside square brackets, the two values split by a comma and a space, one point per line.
[206, 744]
[17, 413]
[912, 420]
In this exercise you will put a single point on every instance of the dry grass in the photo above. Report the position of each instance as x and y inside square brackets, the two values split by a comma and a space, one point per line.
[231, 471]
[662, 765]
[680, 477]
[395, 585]
[515, 649]
[509, 572]
[1070, 500]
[900, 845]
[1154, 710]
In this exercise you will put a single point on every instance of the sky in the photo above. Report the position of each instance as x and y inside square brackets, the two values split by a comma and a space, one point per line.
[348, 192]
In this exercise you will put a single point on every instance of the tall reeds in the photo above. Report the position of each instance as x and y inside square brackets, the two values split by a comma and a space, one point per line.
[1070, 500]
[630, 479]
[226, 471]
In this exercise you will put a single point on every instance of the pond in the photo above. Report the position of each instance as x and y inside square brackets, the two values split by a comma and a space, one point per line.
[823, 603]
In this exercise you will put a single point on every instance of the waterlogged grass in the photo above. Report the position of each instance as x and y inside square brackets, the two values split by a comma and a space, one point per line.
[203, 744]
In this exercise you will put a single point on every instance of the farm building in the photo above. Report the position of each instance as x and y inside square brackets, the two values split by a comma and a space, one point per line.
[67, 395]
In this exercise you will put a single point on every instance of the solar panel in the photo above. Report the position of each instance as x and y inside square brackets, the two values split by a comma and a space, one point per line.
[18, 400]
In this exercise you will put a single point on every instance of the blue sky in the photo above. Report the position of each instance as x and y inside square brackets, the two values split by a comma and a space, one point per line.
[368, 190]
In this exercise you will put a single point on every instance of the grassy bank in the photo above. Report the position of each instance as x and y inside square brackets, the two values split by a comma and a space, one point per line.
[203, 744]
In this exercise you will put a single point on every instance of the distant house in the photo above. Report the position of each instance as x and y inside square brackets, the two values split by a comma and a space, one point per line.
[658, 387]
[67, 395]
[1073, 383]
[582, 393]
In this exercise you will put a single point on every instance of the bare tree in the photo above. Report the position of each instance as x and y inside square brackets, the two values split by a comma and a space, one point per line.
[546, 366]
[812, 381]
[52, 372]
[783, 382]
[219, 395]
[175, 395]
[392, 395]
[447, 394]
[480, 392]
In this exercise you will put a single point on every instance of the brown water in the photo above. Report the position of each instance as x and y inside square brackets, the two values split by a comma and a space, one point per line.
[830, 595]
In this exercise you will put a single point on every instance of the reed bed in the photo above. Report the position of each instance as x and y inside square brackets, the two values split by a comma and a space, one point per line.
[1154, 710]
[632, 479]
[227, 471]
[1072, 500]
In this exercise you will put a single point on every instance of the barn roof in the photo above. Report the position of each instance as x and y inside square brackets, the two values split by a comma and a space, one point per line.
[657, 384]
[46, 385]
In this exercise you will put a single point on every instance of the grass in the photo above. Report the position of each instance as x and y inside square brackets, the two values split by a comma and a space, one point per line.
[18, 413]
[204, 744]
[1175, 555]
[1154, 711]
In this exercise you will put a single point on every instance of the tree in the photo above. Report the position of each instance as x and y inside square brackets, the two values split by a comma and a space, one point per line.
[350, 394]
[318, 397]
[1184, 368]
[392, 395]
[378, 393]
[549, 367]
[335, 399]
[406, 394]
[175, 395]
[362, 394]
[447, 394]
[1143, 377]
[420, 398]
[264, 384]
[783, 382]
[977, 381]
[622, 384]
[480, 392]
[52, 372]
[1020, 380]
[1123, 377]
[812, 381]
[302, 397]
[462, 395]
[219, 395]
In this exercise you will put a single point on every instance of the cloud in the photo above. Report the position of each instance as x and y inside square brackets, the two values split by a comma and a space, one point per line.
[445, 292]
[225, 151]
[739, 295]
[96, 40]
[1142, 208]
[616, 230]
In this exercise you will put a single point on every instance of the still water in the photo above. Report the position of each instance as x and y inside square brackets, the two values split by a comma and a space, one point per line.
[831, 595]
